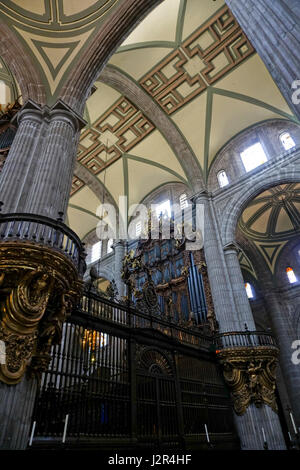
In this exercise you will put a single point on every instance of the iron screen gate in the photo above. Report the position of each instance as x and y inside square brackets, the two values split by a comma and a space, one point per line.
[119, 385]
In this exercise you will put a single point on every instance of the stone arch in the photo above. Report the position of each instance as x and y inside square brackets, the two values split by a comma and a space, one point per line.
[236, 200]
[111, 34]
[94, 184]
[106, 273]
[21, 66]
[297, 320]
[228, 158]
[98, 189]
[125, 85]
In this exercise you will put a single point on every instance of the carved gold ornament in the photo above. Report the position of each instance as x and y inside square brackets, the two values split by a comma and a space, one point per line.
[37, 287]
[250, 374]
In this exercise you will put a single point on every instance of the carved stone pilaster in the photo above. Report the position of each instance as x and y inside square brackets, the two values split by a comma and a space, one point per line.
[250, 374]
[37, 288]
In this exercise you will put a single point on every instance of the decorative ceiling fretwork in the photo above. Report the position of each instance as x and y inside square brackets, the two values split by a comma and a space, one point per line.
[205, 57]
[118, 130]
[77, 183]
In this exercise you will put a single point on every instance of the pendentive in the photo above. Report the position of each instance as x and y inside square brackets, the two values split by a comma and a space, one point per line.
[41, 265]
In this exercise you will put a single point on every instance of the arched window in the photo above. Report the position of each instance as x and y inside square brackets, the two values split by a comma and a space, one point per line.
[291, 275]
[222, 178]
[253, 157]
[183, 201]
[96, 251]
[287, 141]
[164, 208]
[249, 290]
[110, 243]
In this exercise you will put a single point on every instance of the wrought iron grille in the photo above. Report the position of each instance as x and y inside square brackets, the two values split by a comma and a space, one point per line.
[121, 381]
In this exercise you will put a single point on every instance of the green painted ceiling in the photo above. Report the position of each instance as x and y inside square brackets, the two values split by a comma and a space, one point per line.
[189, 58]
[272, 219]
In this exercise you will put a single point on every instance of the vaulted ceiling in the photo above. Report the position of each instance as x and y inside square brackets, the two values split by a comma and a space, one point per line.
[184, 82]
[272, 219]
[180, 86]
[56, 32]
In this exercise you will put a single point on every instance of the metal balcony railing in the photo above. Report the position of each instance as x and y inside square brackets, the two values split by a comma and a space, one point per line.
[237, 339]
[91, 304]
[44, 231]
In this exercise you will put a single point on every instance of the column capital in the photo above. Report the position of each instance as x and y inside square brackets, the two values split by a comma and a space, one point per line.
[201, 196]
[59, 110]
[30, 110]
[231, 247]
[119, 243]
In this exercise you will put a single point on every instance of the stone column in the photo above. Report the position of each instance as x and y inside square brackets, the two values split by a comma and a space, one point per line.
[36, 179]
[285, 337]
[243, 308]
[15, 413]
[232, 310]
[16, 177]
[119, 248]
[274, 30]
[218, 275]
[38, 171]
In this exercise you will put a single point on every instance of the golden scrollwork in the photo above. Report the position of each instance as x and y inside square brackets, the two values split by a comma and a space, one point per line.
[37, 287]
[250, 374]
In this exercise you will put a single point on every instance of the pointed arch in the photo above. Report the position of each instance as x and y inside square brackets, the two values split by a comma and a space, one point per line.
[87, 68]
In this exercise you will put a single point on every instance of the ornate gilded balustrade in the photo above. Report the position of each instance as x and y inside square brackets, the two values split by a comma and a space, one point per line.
[44, 231]
[41, 266]
[249, 360]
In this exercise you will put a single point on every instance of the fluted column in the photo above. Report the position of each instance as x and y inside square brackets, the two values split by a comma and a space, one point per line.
[285, 336]
[36, 179]
[119, 248]
[243, 309]
[274, 30]
[232, 311]
[37, 175]
[17, 176]
[53, 177]
[15, 413]
[218, 275]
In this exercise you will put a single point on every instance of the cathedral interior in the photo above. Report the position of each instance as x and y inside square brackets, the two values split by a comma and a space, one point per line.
[149, 225]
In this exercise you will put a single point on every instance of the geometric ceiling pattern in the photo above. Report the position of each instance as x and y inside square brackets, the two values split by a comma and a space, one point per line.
[210, 52]
[246, 264]
[272, 219]
[193, 61]
[117, 131]
[188, 80]
[55, 32]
